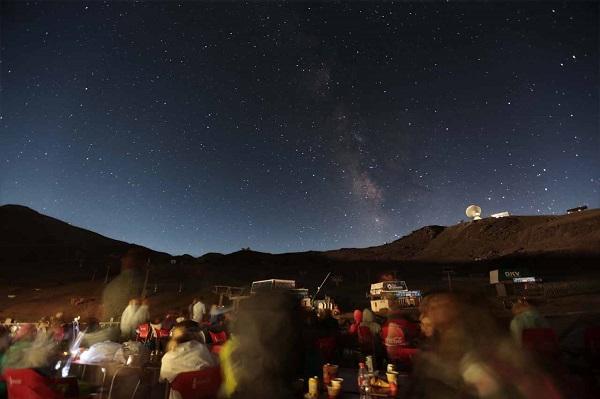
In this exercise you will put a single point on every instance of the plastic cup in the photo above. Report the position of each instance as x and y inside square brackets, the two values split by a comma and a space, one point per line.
[333, 391]
[337, 382]
[329, 372]
[392, 377]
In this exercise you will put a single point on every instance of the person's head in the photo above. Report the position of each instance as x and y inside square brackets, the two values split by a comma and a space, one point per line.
[185, 331]
[443, 310]
[134, 258]
[134, 302]
[368, 316]
[25, 332]
[357, 316]
[426, 326]
[145, 302]
[520, 306]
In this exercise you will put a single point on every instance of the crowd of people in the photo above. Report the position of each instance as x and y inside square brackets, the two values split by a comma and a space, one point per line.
[453, 349]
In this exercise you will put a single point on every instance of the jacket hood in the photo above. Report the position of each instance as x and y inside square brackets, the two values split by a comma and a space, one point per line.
[368, 316]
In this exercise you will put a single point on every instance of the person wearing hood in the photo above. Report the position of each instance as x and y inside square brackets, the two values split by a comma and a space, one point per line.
[128, 284]
[525, 316]
[142, 314]
[357, 315]
[128, 325]
[368, 320]
[185, 352]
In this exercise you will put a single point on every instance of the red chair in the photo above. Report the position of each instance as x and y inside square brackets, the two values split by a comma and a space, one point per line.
[218, 338]
[366, 341]
[326, 347]
[29, 384]
[541, 341]
[163, 333]
[144, 332]
[201, 384]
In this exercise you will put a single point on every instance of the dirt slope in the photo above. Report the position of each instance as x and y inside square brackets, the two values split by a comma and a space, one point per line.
[490, 238]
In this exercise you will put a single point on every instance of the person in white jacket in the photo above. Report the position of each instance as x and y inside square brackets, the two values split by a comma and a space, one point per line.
[185, 353]
[128, 319]
[198, 311]
[142, 314]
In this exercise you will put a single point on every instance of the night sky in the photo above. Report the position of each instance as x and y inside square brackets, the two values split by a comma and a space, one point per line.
[200, 127]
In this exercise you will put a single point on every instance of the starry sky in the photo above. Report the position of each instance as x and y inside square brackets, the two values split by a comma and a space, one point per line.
[198, 127]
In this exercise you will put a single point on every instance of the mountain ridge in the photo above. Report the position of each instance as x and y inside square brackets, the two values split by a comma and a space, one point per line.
[488, 238]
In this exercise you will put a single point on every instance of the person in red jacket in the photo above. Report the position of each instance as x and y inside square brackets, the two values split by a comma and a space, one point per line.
[398, 334]
[353, 329]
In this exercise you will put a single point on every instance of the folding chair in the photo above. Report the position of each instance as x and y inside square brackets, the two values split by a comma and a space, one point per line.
[29, 384]
[218, 338]
[144, 332]
[201, 384]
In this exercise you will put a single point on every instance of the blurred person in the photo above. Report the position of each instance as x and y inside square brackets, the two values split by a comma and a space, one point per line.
[264, 356]
[399, 329]
[328, 326]
[30, 350]
[228, 367]
[198, 310]
[156, 325]
[468, 356]
[357, 316]
[525, 316]
[190, 308]
[169, 320]
[185, 352]
[128, 319]
[368, 320]
[398, 335]
[94, 333]
[213, 313]
[128, 284]
[4, 345]
[142, 314]
[310, 334]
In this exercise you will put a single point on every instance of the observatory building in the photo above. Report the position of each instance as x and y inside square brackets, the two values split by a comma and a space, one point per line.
[473, 212]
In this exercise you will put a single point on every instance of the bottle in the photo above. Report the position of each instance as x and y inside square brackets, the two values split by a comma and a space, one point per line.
[363, 379]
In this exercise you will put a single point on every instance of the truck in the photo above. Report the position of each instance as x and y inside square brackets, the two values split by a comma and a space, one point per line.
[388, 294]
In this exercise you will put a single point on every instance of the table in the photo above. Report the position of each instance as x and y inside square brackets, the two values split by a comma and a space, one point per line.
[133, 381]
[350, 385]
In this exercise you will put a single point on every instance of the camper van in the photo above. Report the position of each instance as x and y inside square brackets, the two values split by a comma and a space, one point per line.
[386, 294]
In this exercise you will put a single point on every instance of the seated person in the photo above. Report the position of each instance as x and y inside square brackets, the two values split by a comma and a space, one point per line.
[399, 329]
[525, 316]
[185, 352]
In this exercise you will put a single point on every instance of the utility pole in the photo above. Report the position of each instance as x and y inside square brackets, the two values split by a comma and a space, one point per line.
[144, 290]
[449, 272]
[107, 272]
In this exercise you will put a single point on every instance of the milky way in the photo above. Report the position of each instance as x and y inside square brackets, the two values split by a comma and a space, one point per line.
[200, 127]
